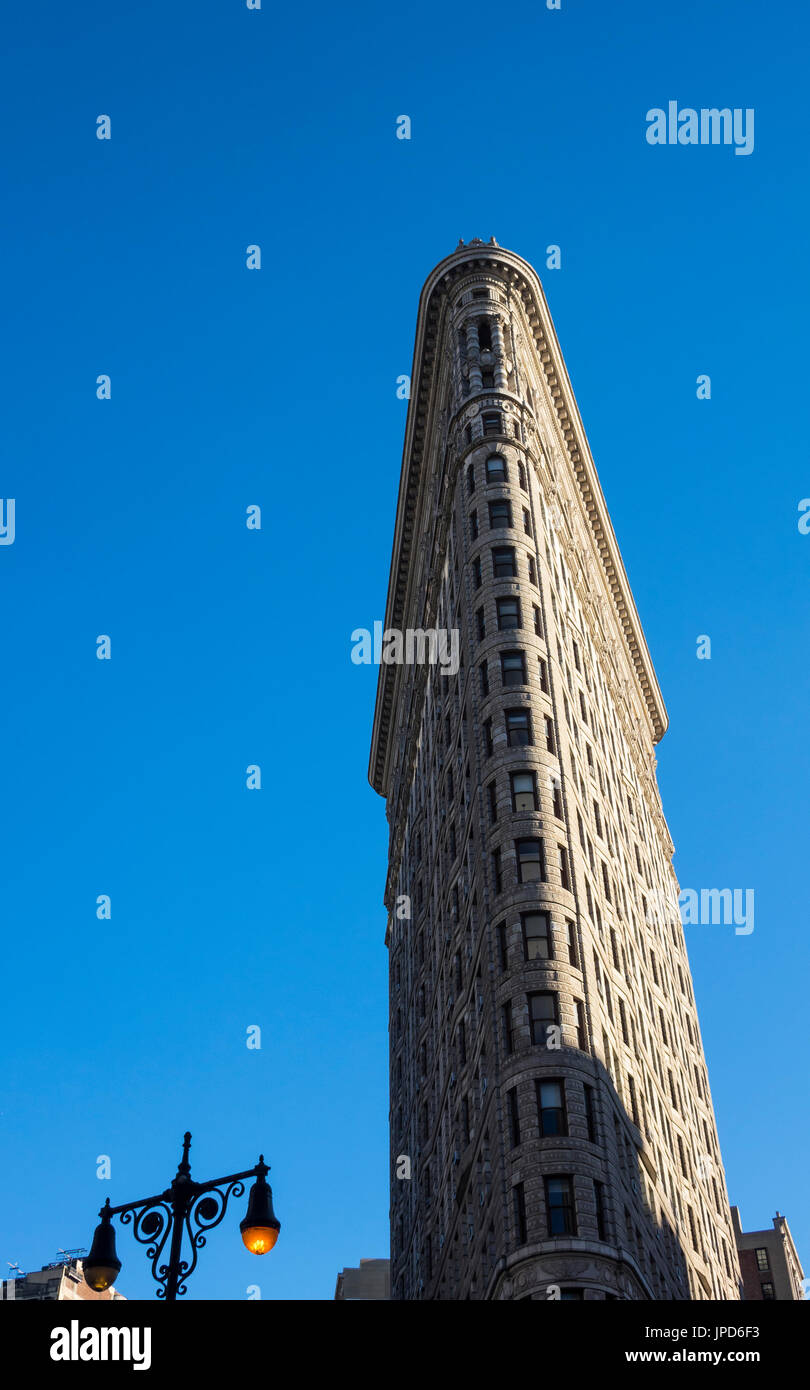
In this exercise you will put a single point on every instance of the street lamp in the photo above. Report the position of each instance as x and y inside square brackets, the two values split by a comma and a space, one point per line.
[196, 1206]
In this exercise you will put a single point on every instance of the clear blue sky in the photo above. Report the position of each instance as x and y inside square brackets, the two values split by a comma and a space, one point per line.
[230, 647]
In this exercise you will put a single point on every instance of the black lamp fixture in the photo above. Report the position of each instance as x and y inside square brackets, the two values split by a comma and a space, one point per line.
[260, 1227]
[102, 1266]
[197, 1206]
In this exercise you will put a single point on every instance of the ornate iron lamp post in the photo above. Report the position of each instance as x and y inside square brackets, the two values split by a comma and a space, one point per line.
[196, 1207]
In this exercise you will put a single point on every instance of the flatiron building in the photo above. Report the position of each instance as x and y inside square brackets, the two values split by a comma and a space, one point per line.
[552, 1129]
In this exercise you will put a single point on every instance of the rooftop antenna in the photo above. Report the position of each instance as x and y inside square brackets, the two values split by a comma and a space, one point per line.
[66, 1257]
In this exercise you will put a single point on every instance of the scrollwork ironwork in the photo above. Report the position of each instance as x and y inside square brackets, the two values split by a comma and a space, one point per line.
[151, 1226]
[204, 1214]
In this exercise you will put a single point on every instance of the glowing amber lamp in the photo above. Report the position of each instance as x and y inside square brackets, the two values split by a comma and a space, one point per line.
[260, 1227]
[259, 1239]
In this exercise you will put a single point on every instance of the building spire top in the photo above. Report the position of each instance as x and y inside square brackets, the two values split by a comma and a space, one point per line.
[476, 241]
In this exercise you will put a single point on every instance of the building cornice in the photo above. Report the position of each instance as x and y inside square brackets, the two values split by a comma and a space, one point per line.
[415, 485]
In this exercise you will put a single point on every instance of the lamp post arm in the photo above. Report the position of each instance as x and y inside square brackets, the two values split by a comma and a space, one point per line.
[232, 1177]
[133, 1206]
[193, 1189]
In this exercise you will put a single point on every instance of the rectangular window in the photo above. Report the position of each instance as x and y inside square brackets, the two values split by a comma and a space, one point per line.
[551, 1108]
[518, 728]
[548, 725]
[693, 1229]
[484, 674]
[536, 935]
[614, 947]
[508, 610]
[557, 801]
[482, 627]
[579, 1024]
[513, 668]
[492, 423]
[532, 570]
[560, 1207]
[542, 1016]
[488, 744]
[477, 572]
[500, 931]
[497, 875]
[492, 793]
[496, 469]
[542, 674]
[571, 944]
[531, 864]
[504, 565]
[508, 1028]
[538, 627]
[524, 791]
[590, 1113]
[762, 1259]
[565, 872]
[519, 1199]
[500, 514]
[599, 1203]
[527, 522]
[768, 1291]
[474, 524]
[631, 1085]
[514, 1117]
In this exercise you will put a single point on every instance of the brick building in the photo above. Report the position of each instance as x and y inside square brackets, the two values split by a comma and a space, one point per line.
[62, 1281]
[769, 1262]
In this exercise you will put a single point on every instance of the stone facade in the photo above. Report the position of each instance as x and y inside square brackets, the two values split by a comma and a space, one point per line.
[552, 1131]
